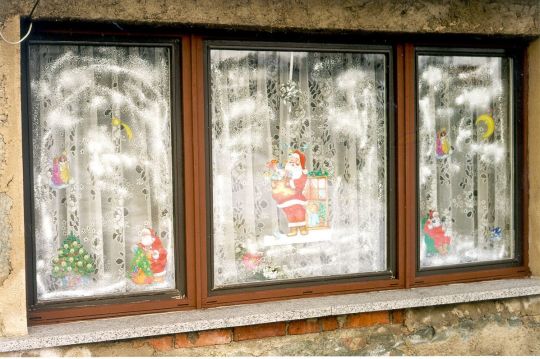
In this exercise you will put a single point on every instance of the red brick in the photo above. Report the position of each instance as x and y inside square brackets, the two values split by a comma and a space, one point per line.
[161, 344]
[366, 319]
[398, 316]
[259, 331]
[304, 327]
[202, 339]
[329, 323]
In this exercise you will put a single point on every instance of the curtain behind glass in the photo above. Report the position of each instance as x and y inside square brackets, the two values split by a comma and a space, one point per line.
[120, 179]
[330, 106]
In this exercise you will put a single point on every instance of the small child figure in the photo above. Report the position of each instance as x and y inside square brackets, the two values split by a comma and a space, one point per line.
[313, 214]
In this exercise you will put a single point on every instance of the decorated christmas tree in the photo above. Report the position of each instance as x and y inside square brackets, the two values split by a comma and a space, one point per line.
[141, 272]
[72, 259]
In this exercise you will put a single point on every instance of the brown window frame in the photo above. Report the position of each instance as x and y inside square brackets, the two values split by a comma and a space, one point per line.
[192, 115]
[518, 267]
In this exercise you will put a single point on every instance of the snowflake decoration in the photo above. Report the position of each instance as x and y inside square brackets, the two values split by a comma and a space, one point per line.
[289, 92]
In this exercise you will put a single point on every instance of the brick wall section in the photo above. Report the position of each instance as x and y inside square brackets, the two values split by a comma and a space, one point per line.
[251, 332]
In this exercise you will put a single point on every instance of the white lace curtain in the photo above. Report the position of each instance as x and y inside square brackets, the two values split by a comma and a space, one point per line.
[471, 187]
[332, 107]
[120, 179]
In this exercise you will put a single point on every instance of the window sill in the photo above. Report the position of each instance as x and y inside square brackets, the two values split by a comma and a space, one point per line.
[100, 330]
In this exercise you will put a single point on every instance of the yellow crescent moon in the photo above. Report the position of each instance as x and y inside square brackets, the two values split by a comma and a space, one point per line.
[490, 125]
[117, 122]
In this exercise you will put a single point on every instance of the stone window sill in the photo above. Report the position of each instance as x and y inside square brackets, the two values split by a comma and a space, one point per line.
[101, 330]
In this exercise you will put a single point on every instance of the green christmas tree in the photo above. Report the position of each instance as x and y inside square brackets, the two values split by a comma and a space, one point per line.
[72, 259]
[141, 272]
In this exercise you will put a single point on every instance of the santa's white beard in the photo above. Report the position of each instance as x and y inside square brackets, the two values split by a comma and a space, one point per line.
[293, 170]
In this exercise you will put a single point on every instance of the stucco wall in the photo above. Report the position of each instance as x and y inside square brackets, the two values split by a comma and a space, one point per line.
[12, 280]
[483, 17]
[534, 158]
[479, 17]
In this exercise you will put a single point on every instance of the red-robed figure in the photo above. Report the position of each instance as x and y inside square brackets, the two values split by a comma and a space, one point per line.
[435, 231]
[287, 193]
[156, 253]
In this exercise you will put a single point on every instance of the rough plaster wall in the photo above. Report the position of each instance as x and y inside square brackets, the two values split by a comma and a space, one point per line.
[479, 16]
[534, 159]
[508, 327]
[12, 277]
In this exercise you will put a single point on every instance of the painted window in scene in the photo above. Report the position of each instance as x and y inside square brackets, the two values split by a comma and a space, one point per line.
[465, 160]
[302, 192]
[102, 170]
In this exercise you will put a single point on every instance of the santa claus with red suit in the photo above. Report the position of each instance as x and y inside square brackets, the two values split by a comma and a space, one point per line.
[287, 193]
[155, 252]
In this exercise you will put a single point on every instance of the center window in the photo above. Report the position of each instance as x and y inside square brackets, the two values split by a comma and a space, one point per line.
[303, 191]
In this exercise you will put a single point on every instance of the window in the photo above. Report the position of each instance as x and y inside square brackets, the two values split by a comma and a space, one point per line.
[188, 172]
[305, 134]
[465, 158]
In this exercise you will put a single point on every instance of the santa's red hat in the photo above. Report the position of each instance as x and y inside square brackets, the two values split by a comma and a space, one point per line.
[301, 157]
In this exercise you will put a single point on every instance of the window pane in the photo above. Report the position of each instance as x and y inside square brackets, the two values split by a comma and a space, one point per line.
[102, 180]
[298, 164]
[465, 154]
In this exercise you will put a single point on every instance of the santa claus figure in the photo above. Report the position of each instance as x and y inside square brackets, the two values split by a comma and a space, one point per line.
[155, 252]
[287, 193]
[435, 232]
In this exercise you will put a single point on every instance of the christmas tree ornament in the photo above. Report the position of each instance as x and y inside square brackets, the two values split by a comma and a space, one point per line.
[488, 121]
[495, 234]
[443, 148]
[150, 259]
[123, 126]
[251, 260]
[290, 92]
[61, 175]
[435, 237]
[70, 265]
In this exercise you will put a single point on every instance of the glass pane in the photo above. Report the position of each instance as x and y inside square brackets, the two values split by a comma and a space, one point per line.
[465, 154]
[298, 165]
[101, 158]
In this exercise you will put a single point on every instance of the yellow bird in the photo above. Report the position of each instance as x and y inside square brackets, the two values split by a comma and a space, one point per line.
[117, 122]
[490, 125]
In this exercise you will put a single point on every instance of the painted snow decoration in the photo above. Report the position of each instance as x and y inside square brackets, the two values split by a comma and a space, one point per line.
[488, 121]
[471, 189]
[61, 175]
[149, 264]
[443, 148]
